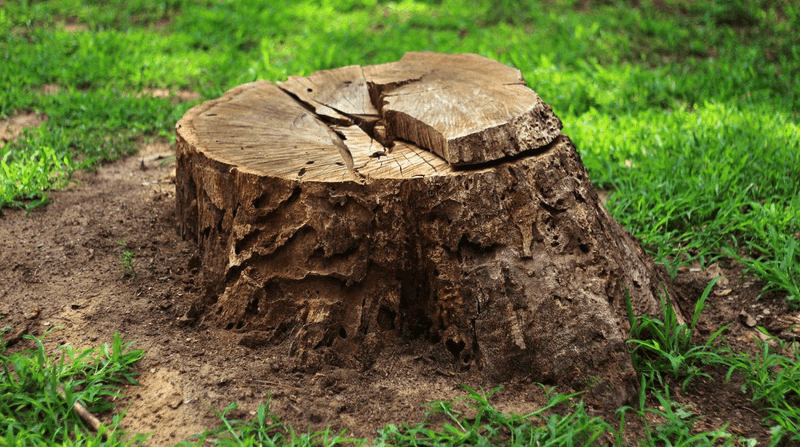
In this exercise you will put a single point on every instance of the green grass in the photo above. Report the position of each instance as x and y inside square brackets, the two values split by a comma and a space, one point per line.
[701, 100]
[472, 420]
[707, 183]
[37, 392]
[678, 426]
[773, 377]
[126, 261]
[265, 429]
[481, 424]
[666, 347]
[686, 112]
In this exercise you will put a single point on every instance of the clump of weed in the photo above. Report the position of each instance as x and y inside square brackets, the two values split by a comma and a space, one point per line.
[482, 424]
[39, 391]
[476, 423]
[677, 427]
[772, 375]
[126, 261]
[666, 347]
[265, 429]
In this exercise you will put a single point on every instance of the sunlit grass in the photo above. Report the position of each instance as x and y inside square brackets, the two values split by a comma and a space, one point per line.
[693, 184]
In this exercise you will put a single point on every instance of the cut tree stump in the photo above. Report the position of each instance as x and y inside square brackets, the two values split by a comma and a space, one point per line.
[433, 198]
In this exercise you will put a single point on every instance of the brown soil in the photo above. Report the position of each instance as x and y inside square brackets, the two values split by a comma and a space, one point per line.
[11, 128]
[60, 266]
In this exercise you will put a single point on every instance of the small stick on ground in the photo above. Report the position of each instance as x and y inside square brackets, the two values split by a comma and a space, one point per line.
[87, 417]
[15, 337]
[275, 384]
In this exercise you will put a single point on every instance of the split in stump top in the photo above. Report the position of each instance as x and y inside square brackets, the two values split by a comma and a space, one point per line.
[381, 121]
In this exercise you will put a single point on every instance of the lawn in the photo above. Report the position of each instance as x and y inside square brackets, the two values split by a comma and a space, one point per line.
[686, 113]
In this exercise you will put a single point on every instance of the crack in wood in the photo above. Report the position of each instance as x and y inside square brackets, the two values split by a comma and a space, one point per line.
[472, 89]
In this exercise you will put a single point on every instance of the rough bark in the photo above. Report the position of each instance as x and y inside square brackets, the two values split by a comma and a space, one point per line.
[315, 234]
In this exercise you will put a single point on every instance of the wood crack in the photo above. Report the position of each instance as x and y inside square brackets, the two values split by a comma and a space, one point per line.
[461, 107]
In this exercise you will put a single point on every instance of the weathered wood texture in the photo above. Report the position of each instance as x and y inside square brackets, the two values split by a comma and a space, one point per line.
[465, 108]
[316, 235]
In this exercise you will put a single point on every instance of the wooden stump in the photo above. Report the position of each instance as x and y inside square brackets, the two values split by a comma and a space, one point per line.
[431, 198]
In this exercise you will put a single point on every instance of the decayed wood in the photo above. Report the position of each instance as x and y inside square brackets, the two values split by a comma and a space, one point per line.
[316, 235]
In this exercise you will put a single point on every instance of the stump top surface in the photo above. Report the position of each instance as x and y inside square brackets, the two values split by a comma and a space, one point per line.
[420, 116]
[247, 128]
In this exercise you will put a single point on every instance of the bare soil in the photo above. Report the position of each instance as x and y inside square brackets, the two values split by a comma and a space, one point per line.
[12, 127]
[60, 266]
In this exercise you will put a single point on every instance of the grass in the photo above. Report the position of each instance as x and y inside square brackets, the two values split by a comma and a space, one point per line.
[773, 378]
[477, 422]
[678, 426]
[714, 182]
[38, 392]
[686, 112]
[264, 429]
[666, 347]
[472, 421]
[700, 100]
[126, 261]
[42, 171]
[482, 424]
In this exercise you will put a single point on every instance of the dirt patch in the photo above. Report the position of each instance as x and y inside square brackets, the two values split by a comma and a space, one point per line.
[51, 89]
[178, 95]
[11, 128]
[60, 267]
[74, 27]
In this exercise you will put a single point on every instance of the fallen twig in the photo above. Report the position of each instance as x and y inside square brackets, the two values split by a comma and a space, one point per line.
[87, 417]
[16, 336]
[275, 384]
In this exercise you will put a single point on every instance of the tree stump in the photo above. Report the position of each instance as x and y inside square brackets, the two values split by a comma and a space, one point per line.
[431, 198]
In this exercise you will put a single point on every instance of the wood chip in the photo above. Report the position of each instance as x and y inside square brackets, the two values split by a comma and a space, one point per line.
[747, 319]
